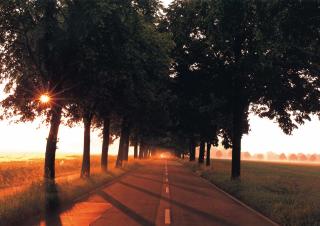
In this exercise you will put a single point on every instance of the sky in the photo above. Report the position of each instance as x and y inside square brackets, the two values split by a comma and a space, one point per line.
[263, 137]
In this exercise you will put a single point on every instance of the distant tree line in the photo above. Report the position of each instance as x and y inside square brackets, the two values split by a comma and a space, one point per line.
[177, 77]
[269, 156]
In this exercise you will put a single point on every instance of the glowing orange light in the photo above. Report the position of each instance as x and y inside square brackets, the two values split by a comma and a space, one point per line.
[44, 98]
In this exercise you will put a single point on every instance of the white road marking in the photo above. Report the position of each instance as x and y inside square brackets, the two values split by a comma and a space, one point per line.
[167, 180]
[167, 189]
[167, 219]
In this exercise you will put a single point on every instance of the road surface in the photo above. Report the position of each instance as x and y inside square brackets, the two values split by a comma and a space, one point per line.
[162, 192]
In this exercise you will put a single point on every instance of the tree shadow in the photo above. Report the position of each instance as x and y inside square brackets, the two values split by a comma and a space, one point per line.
[126, 210]
[52, 204]
[190, 209]
[184, 187]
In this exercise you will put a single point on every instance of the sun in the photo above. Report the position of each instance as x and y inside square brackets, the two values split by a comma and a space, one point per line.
[44, 98]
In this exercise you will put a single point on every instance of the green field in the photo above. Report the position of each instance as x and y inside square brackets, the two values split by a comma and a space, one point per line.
[287, 193]
[20, 173]
[31, 198]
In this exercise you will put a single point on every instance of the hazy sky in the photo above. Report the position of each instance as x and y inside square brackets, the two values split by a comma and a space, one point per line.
[264, 136]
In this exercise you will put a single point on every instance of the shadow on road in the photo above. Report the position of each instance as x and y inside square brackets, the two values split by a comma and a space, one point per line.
[52, 205]
[181, 205]
[186, 188]
[129, 212]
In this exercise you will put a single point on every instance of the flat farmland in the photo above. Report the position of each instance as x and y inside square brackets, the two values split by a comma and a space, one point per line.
[24, 194]
[287, 193]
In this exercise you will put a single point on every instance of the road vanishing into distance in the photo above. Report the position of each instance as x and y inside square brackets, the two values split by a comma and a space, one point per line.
[162, 192]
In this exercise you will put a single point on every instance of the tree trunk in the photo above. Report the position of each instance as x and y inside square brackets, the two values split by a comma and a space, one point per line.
[140, 150]
[143, 150]
[152, 151]
[124, 137]
[236, 150]
[208, 153]
[192, 149]
[126, 145]
[49, 164]
[85, 170]
[105, 144]
[201, 152]
[135, 150]
[238, 115]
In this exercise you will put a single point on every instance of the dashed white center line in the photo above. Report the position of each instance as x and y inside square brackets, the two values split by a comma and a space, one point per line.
[167, 180]
[167, 219]
[167, 189]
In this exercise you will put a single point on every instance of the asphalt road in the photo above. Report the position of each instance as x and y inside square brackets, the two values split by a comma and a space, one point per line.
[161, 193]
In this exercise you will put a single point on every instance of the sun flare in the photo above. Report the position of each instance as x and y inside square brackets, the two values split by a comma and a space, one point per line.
[44, 98]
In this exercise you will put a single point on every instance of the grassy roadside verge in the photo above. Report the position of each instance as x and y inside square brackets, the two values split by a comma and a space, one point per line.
[286, 193]
[34, 200]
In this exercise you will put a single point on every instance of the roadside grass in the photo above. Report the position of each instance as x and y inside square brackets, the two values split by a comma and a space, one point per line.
[18, 173]
[40, 197]
[286, 193]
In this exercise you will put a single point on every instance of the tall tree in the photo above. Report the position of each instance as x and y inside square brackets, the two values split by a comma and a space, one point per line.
[198, 112]
[264, 69]
[250, 63]
[35, 53]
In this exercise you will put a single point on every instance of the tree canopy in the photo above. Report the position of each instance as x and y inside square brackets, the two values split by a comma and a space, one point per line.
[178, 77]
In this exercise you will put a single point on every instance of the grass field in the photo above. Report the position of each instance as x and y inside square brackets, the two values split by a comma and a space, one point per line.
[287, 193]
[35, 196]
[20, 173]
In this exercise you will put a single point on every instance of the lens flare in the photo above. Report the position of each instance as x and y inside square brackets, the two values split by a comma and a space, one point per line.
[44, 98]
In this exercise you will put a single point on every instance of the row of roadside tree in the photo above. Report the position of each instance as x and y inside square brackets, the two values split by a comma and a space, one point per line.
[175, 77]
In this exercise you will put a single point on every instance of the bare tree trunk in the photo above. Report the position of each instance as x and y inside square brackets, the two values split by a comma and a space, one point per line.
[141, 150]
[126, 145]
[135, 150]
[144, 150]
[49, 163]
[238, 116]
[208, 154]
[147, 152]
[105, 143]
[201, 151]
[124, 137]
[236, 148]
[192, 149]
[85, 170]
